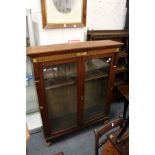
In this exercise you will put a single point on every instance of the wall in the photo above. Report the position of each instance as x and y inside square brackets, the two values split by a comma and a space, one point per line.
[101, 14]
[106, 14]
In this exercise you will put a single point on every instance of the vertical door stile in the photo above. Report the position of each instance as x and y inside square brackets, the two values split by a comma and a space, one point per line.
[82, 87]
[80, 92]
[110, 85]
[44, 110]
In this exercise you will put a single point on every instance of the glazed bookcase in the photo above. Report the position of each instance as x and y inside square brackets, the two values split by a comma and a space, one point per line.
[74, 84]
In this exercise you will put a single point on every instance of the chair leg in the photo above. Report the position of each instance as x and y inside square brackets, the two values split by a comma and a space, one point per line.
[96, 142]
[125, 109]
[123, 128]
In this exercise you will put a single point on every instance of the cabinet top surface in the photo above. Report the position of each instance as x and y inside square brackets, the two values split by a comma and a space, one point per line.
[56, 48]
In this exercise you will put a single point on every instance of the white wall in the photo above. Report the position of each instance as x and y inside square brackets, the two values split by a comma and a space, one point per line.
[106, 14]
[101, 14]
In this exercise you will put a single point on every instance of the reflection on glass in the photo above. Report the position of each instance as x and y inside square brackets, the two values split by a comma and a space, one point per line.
[96, 82]
[61, 94]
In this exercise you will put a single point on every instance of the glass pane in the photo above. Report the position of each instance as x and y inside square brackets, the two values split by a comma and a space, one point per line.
[96, 83]
[31, 94]
[61, 94]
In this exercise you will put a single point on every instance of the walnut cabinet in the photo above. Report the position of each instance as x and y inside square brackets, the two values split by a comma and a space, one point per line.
[74, 84]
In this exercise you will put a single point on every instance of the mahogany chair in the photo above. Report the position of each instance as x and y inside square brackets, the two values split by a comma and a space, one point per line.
[108, 132]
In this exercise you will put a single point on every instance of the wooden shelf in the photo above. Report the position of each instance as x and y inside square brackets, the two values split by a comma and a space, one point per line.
[121, 69]
[122, 54]
[97, 74]
[60, 83]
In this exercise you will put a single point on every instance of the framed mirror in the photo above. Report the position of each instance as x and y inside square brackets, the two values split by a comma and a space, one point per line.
[63, 13]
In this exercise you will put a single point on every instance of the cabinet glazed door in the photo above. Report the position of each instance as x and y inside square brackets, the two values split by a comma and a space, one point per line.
[96, 79]
[60, 84]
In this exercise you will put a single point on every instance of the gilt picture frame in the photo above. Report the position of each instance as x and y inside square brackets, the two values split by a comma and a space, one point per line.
[63, 13]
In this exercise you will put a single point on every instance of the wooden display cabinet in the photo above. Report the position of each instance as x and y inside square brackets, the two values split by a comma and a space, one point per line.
[74, 84]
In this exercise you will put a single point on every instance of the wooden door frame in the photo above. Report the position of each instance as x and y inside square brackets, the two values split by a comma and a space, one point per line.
[44, 112]
[107, 100]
